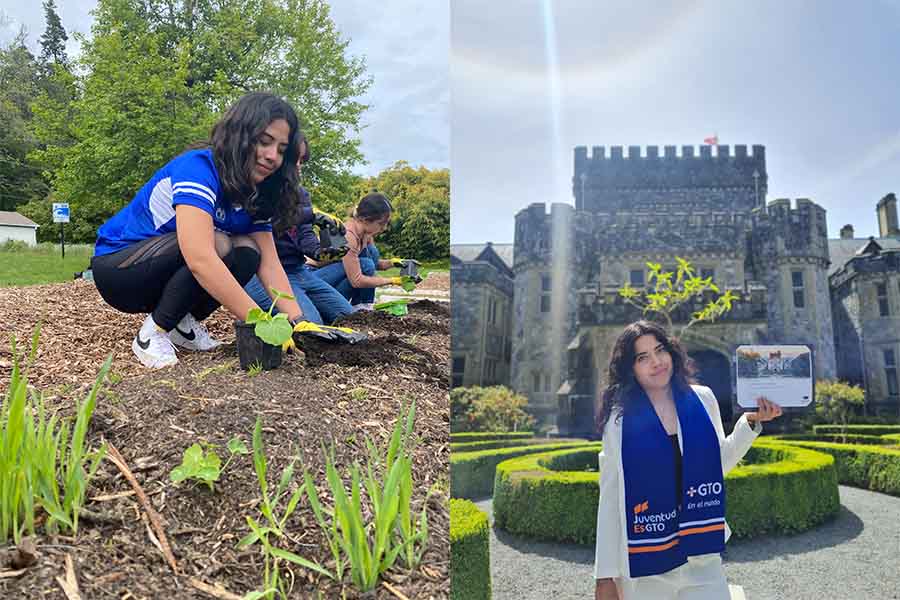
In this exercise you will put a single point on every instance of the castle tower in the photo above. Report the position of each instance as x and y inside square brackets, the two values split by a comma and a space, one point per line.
[887, 216]
[789, 253]
[691, 182]
[544, 303]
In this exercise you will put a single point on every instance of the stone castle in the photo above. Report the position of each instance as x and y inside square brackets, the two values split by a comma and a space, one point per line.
[840, 297]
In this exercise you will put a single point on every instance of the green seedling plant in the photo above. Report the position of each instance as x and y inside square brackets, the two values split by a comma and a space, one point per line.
[204, 465]
[37, 455]
[372, 548]
[272, 329]
[275, 524]
[255, 369]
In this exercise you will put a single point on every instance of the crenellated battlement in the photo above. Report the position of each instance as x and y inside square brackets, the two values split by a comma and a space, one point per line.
[783, 229]
[670, 153]
[619, 178]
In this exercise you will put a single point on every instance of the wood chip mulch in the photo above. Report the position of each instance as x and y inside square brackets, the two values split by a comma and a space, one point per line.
[329, 395]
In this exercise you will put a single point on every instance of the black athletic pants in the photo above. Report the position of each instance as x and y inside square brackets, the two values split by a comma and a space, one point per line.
[151, 276]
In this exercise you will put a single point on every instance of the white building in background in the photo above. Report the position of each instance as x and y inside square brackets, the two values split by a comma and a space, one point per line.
[14, 226]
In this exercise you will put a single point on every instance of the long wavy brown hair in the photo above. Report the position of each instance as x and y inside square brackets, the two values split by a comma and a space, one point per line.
[233, 142]
[620, 381]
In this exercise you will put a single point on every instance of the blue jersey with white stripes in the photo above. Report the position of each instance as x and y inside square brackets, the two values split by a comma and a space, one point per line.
[190, 178]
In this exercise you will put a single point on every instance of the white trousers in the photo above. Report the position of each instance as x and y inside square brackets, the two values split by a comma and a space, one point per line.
[701, 578]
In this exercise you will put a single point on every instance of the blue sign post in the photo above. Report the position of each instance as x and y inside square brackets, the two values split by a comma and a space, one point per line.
[61, 216]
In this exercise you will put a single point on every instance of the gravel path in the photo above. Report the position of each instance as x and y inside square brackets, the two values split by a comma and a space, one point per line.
[856, 556]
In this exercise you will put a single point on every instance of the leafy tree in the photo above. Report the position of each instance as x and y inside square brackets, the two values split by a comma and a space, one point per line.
[420, 226]
[19, 76]
[672, 290]
[495, 408]
[835, 402]
[156, 76]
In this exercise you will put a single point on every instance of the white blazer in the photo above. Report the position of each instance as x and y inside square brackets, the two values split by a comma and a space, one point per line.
[611, 558]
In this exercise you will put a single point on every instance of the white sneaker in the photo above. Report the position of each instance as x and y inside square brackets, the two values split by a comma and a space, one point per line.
[191, 334]
[153, 347]
[359, 307]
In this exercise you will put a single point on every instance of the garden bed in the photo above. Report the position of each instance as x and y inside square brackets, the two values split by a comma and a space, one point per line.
[339, 394]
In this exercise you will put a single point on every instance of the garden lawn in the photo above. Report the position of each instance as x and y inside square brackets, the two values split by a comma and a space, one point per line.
[424, 269]
[42, 264]
[336, 394]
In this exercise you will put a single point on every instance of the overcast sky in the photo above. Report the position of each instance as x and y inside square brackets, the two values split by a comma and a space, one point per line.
[816, 82]
[406, 45]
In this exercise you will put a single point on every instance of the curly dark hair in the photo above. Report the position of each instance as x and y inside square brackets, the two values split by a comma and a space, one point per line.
[620, 380]
[233, 141]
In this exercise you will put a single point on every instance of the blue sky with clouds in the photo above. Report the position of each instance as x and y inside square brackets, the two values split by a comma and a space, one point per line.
[816, 82]
[406, 45]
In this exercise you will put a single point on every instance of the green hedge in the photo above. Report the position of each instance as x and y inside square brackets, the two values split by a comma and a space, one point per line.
[893, 438]
[470, 543]
[550, 495]
[861, 429]
[494, 444]
[861, 466]
[472, 473]
[483, 436]
[836, 438]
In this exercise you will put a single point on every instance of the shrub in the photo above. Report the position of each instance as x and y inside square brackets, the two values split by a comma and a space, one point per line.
[858, 429]
[835, 401]
[836, 438]
[470, 570]
[494, 444]
[866, 467]
[483, 436]
[495, 408]
[552, 496]
[472, 473]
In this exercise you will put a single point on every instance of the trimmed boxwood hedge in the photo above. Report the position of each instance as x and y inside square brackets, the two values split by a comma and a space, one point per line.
[862, 429]
[793, 490]
[893, 438]
[472, 473]
[867, 467]
[470, 565]
[836, 438]
[483, 436]
[493, 444]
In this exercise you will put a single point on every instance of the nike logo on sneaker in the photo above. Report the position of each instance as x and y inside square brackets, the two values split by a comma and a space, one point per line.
[144, 345]
[189, 336]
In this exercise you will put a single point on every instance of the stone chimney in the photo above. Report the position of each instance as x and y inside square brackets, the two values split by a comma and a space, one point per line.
[887, 216]
[847, 232]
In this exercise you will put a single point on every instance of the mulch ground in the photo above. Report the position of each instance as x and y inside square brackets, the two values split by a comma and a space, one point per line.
[330, 395]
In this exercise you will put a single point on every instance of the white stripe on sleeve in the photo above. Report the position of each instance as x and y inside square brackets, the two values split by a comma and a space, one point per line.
[195, 189]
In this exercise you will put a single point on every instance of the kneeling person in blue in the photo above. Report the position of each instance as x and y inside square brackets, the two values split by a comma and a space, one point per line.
[320, 302]
[661, 516]
[201, 227]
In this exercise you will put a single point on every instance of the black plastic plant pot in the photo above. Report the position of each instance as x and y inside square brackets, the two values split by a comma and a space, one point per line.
[410, 268]
[253, 351]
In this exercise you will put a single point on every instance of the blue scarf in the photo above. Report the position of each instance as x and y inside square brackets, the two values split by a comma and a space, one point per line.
[660, 536]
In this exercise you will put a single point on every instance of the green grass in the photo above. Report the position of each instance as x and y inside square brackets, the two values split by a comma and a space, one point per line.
[42, 264]
[424, 269]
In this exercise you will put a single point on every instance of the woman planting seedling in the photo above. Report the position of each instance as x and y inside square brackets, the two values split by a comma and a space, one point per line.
[201, 227]
[354, 276]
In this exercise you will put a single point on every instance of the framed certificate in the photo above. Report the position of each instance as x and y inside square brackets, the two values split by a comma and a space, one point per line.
[783, 374]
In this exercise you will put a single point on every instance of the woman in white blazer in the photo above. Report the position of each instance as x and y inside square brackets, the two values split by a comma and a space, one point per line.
[648, 365]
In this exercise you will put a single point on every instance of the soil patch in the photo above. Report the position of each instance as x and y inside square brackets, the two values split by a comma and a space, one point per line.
[328, 395]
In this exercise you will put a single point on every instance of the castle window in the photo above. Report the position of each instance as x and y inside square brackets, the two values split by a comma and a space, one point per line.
[890, 372]
[490, 369]
[636, 277]
[536, 382]
[459, 367]
[797, 284]
[546, 283]
[492, 310]
[545, 303]
[883, 308]
[547, 384]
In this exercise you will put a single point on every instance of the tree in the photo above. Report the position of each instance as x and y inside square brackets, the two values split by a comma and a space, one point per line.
[19, 75]
[667, 296]
[156, 76]
[420, 226]
[835, 401]
[495, 408]
[53, 40]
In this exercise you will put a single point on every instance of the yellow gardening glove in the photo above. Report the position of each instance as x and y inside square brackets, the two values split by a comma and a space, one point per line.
[289, 346]
[406, 282]
[300, 327]
[397, 262]
[396, 280]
